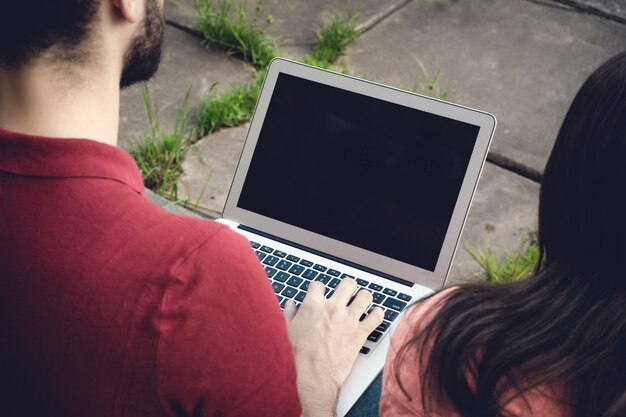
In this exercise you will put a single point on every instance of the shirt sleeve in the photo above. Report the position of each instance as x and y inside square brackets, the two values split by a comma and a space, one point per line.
[406, 399]
[223, 347]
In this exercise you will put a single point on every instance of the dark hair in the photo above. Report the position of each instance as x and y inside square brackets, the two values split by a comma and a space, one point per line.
[28, 28]
[567, 323]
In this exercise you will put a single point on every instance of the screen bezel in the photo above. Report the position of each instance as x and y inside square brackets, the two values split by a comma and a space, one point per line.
[432, 279]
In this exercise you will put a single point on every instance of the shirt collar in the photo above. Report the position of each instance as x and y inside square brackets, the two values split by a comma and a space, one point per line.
[67, 158]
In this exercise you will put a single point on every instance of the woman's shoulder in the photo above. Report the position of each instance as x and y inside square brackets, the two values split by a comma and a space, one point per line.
[418, 316]
[401, 392]
[402, 376]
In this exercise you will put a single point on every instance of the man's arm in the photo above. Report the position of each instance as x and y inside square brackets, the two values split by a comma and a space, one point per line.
[223, 348]
[327, 336]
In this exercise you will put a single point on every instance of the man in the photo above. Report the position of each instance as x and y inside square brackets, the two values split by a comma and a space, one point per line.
[110, 306]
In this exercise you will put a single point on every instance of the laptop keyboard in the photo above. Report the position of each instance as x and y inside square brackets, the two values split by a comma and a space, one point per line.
[290, 277]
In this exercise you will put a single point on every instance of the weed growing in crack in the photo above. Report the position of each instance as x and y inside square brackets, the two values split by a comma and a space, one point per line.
[332, 40]
[233, 27]
[159, 154]
[516, 266]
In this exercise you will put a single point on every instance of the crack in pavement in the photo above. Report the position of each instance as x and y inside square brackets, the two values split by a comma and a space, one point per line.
[376, 19]
[582, 7]
[510, 165]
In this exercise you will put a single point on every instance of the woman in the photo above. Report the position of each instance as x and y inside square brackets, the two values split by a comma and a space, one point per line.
[555, 343]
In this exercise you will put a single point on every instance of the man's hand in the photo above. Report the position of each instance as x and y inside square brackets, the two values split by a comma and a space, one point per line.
[327, 336]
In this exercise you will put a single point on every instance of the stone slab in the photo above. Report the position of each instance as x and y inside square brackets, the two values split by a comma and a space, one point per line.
[294, 21]
[209, 168]
[504, 210]
[519, 60]
[182, 12]
[186, 66]
[504, 203]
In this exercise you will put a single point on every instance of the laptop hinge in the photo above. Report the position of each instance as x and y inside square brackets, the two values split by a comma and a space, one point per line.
[326, 255]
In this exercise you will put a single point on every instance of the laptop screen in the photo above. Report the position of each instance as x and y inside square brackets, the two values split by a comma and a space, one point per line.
[367, 172]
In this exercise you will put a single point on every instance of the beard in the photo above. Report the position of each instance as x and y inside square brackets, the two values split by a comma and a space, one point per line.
[142, 58]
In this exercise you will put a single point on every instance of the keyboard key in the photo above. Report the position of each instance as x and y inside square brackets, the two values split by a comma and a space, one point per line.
[346, 276]
[270, 271]
[255, 245]
[260, 255]
[305, 285]
[282, 304]
[375, 287]
[295, 281]
[390, 292]
[333, 272]
[365, 350]
[378, 297]
[323, 278]
[306, 263]
[296, 269]
[300, 296]
[330, 294]
[320, 268]
[362, 282]
[383, 326]
[334, 282]
[309, 274]
[374, 336]
[279, 253]
[289, 292]
[270, 260]
[326, 291]
[394, 304]
[282, 276]
[405, 297]
[293, 258]
[284, 265]
[267, 249]
[390, 315]
[279, 298]
[278, 287]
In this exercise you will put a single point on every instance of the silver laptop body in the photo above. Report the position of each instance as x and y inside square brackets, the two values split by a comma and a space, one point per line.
[341, 176]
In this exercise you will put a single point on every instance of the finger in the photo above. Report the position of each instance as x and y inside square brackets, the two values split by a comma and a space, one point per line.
[361, 302]
[373, 320]
[290, 310]
[315, 292]
[344, 291]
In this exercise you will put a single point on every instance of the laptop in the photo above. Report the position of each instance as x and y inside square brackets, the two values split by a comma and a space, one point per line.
[342, 177]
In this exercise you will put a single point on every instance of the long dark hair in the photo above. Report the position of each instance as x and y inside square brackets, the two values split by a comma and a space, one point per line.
[567, 323]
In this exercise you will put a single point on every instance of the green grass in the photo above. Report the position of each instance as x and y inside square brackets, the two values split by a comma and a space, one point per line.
[235, 106]
[229, 109]
[332, 40]
[230, 26]
[431, 86]
[159, 154]
[519, 265]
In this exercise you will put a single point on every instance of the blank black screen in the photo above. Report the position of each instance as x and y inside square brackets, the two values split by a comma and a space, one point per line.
[374, 174]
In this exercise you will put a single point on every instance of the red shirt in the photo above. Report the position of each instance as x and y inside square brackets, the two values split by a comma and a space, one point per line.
[110, 306]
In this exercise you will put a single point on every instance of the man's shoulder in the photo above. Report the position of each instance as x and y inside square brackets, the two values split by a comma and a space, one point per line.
[179, 234]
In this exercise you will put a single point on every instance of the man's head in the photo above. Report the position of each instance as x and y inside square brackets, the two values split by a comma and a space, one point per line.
[69, 33]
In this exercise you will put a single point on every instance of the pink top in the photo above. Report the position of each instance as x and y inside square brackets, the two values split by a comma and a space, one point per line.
[539, 402]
